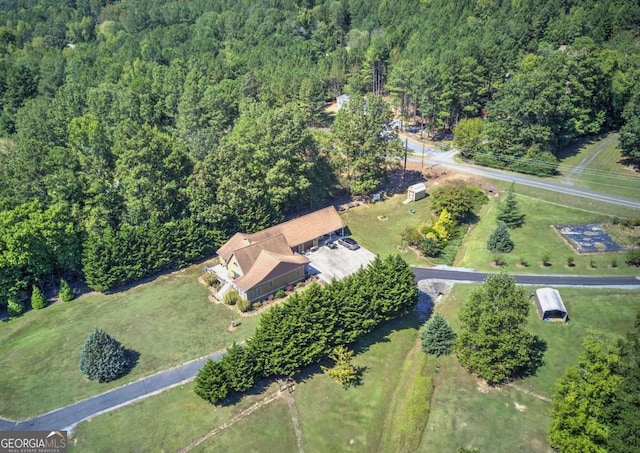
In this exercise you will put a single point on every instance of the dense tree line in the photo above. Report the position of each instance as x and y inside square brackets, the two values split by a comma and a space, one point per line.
[310, 324]
[128, 117]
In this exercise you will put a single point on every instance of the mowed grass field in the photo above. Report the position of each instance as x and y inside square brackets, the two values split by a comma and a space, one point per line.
[378, 226]
[167, 321]
[599, 165]
[406, 401]
[537, 238]
[467, 413]
[381, 411]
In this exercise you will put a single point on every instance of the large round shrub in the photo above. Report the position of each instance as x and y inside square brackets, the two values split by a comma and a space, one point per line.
[103, 358]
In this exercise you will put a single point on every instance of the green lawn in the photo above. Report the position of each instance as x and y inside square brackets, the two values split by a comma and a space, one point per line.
[465, 412]
[537, 238]
[174, 420]
[167, 321]
[603, 168]
[331, 418]
[378, 226]
[388, 411]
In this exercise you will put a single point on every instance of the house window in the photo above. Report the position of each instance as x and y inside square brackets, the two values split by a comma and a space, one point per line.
[298, 272]
[250, 294]
[259, 290]
[270, 283]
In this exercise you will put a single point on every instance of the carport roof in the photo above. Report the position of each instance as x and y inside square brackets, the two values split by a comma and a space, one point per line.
[550, 300]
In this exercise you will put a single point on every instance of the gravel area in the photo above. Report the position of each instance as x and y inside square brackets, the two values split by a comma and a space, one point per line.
[429, 295]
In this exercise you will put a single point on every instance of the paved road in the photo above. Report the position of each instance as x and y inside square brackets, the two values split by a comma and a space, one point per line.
[468, 276]
[68, 417]
[445, 159]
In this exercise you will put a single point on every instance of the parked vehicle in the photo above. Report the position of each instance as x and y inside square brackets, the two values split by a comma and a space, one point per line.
[349, 243]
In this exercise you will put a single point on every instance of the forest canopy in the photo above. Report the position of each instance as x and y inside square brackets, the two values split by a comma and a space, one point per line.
[163, 127]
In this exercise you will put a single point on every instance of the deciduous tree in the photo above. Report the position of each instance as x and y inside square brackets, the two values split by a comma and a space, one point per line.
[493, 341]
[581, 396]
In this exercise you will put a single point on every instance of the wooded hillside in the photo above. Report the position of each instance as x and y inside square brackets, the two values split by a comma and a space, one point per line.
[137, 135]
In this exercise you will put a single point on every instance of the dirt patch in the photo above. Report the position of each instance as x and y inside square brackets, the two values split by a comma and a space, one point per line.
[520, 407]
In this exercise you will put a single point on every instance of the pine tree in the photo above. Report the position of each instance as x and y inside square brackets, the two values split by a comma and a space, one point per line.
[103, 358]
[66, 293]
[500, 240]
[38, 301]
[211, 382]
[343, 371]
[239, 366]
[437, 336]
[508, 211]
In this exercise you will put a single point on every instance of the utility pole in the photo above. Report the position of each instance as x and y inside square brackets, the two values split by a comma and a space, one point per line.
[404, 170]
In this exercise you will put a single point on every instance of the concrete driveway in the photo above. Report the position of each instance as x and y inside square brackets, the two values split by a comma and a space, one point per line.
[337, 263]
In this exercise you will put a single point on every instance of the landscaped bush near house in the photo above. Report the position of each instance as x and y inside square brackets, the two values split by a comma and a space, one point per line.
[498, 260]
[210, 279]
[243, 304]
[232, 297]
[280, 294]
[311, 323]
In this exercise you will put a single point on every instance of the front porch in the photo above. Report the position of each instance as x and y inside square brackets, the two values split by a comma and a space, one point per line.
[226, 283]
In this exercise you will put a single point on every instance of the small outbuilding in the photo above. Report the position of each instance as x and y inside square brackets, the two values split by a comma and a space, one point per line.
[550, 306]
[416, 192]
[342, 100]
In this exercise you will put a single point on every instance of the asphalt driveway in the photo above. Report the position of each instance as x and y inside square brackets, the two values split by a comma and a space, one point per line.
[337, 263]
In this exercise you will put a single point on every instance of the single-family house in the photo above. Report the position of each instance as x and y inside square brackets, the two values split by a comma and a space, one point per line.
[261, 263]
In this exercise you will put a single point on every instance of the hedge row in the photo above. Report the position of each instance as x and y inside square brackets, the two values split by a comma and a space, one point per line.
[307, 327]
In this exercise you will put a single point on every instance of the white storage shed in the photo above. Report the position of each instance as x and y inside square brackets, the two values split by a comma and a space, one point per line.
[550, 306]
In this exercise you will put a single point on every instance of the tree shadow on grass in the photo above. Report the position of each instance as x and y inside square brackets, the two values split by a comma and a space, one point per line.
[536, 359]
[132, 361]
[379, 335]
